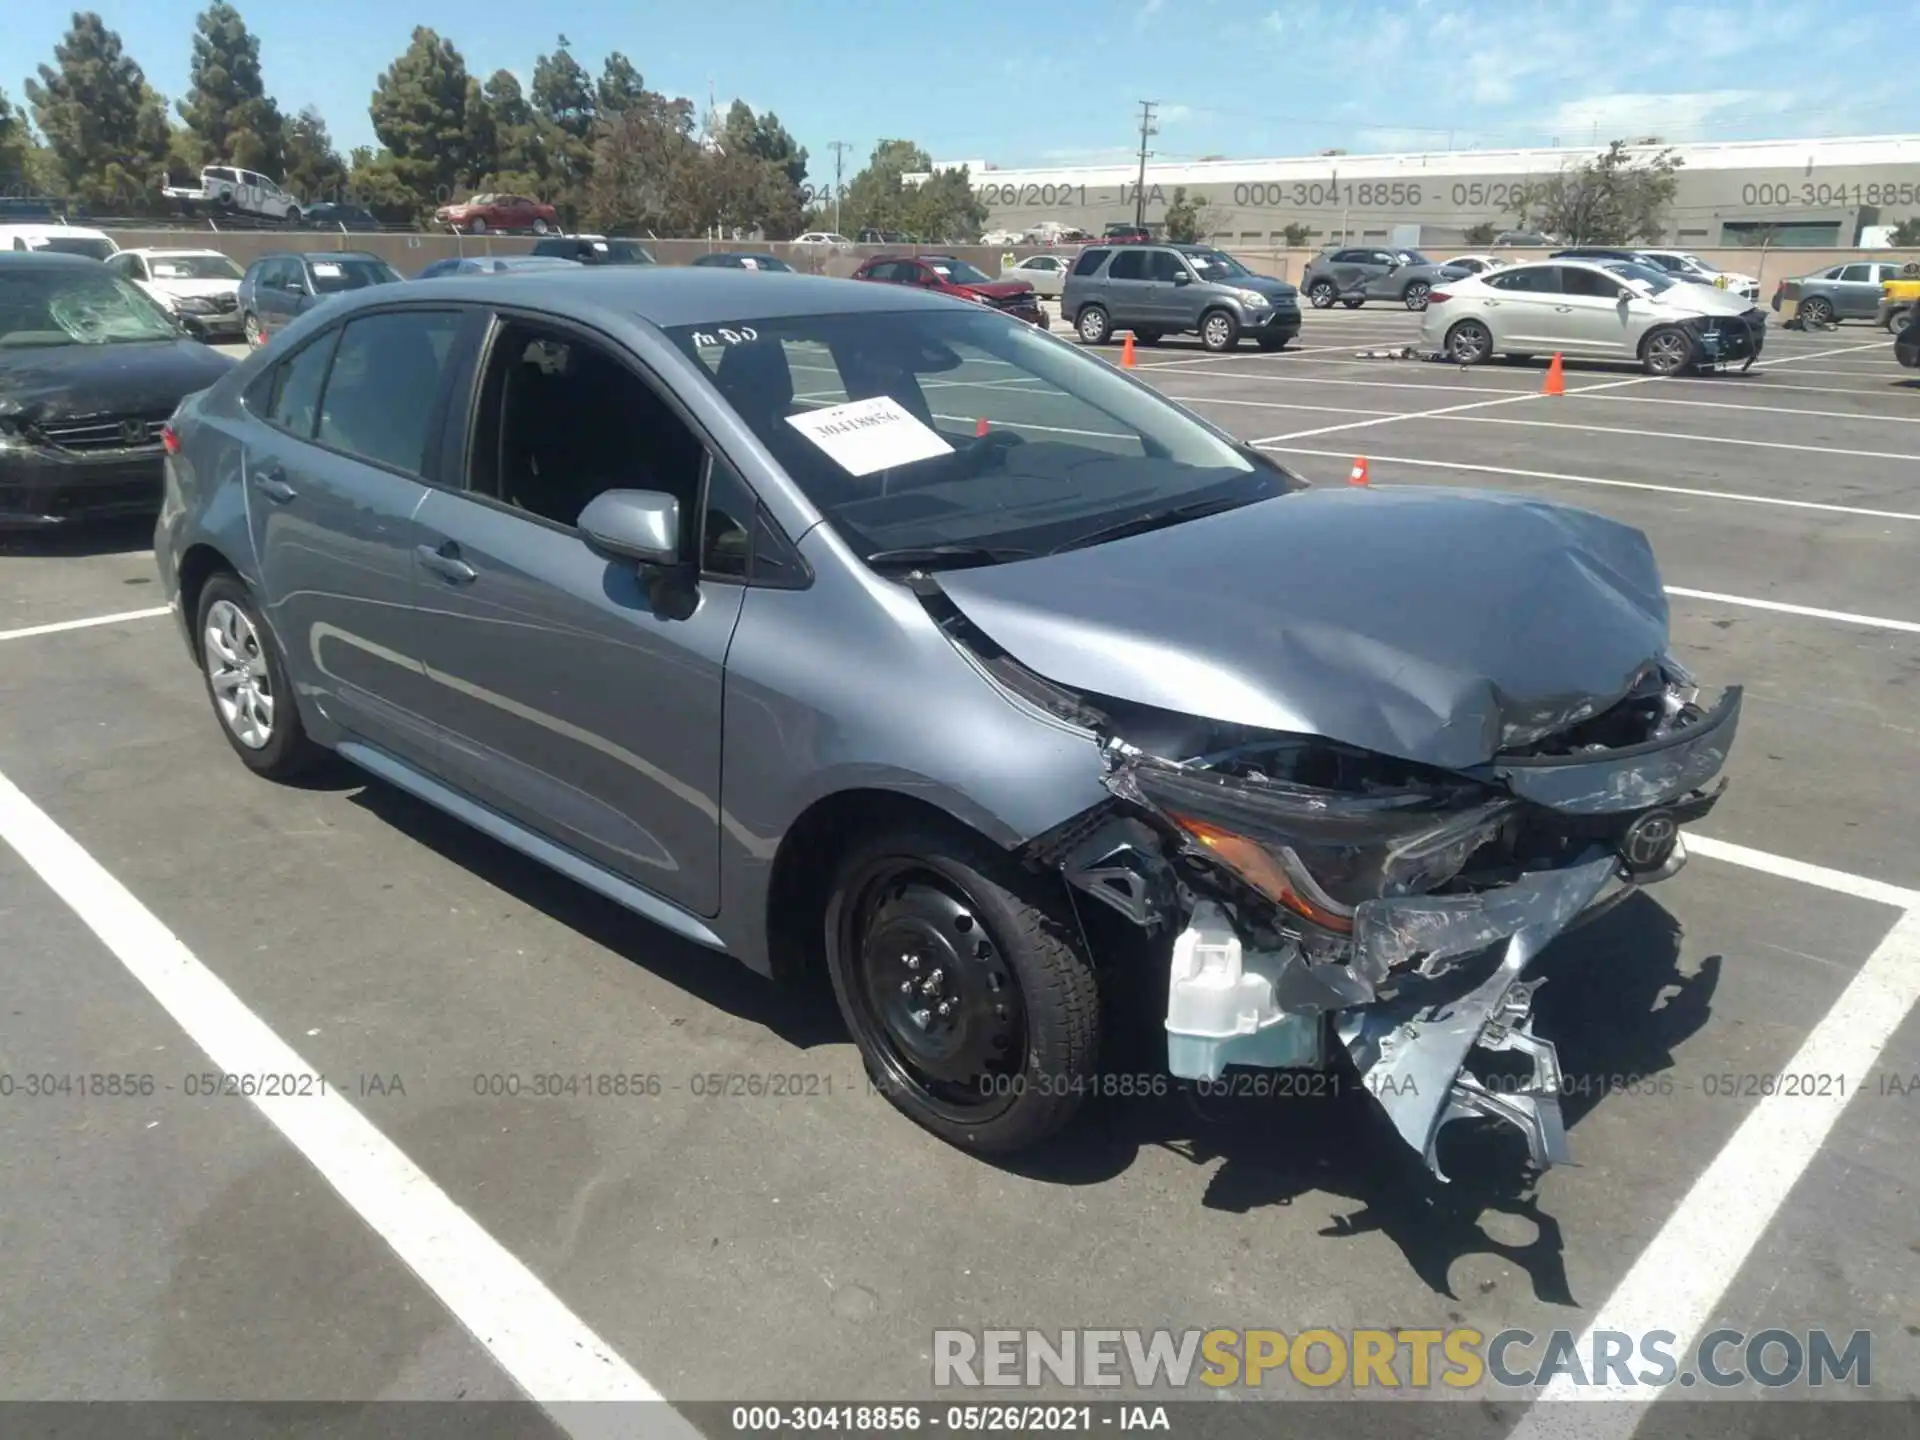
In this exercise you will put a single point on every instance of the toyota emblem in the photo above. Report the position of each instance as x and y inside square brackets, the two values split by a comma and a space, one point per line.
[1649, 841]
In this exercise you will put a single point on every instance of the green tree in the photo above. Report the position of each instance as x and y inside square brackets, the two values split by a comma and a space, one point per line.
[1615, 199]
[875, 198]
[1184, 218]
[229, 116]
[1482, 233]
[420, 115]
[565, 112]
[1297, 234]
[765, 138]
[620, 87]
[762, 160]
[1906, 235]
[373, 180]
[19, 150]
[519, 155]
[105, 126]
[647, 175]
[314, 169]
[942, 209]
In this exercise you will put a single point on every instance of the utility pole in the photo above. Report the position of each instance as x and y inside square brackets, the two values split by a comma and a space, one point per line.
[1147, 128]
[839, 149]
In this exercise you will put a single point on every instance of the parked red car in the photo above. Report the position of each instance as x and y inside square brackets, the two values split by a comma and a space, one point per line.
[499, 212]
[953, 276]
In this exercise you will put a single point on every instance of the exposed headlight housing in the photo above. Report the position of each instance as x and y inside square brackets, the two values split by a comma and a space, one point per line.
[191, 304]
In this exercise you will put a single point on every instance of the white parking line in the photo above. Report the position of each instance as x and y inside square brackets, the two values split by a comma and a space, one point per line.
[1399, 415]
[1752, 409]
[548, 1350]
[1822, 354]
[1845, 617]
[87, 624]
[1697, 493]
[1680, 1277]
[1676, 435]
[1841, 882]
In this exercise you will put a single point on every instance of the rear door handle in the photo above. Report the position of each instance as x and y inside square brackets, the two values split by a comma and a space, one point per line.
[446, 563]
[271, 481]
[1564, 309]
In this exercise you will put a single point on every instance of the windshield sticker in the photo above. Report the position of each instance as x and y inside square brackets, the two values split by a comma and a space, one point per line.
[737, 335]
[747, 262]
[327, 269]
[863, 436]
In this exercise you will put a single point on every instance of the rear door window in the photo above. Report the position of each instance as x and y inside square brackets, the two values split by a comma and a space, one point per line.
[381, 393]
[1534, 279]
[1128, 265]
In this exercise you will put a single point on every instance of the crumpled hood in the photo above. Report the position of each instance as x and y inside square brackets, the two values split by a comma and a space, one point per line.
[1441, 626]
[75, 381]
[1701, 297]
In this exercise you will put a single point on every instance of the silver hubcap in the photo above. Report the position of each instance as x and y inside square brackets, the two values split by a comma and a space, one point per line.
[1217, 331]
[1669, 352]
[1416, 297]
[237, 671]
[1469, 343]
[1816, 311]
[1091, 325]
[1322, 295]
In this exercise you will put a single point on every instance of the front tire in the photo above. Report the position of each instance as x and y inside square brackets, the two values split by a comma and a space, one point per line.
[1355, 303]
[1094, 325]
[1219, 331]
[963, 984]
[1321, 294]
[250, 327]
[1816, 310]
[476, 226]
[247, 682]
[539, 227]
[1666, 351]
[1469, 343]
[1416, 295]
[1271, 343]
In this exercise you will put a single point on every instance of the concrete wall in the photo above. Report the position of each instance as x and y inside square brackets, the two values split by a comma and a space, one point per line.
[409, 253]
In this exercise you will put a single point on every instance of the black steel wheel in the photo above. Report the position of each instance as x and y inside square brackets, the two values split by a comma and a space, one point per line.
[963, 984]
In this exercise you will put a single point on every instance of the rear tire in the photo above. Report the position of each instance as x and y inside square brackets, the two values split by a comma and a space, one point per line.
[247, 683]
[1094, 325]
[1219, 331]
[539, 227]
[1469, 343]
[1321, 294]
[922, 918]
[1415, 295]
[1816, 310]
[1355, 303]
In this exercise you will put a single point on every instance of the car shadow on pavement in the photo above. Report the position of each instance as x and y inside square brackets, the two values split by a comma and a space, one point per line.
[802, 1015]
[1616, 1002]
[106, 537]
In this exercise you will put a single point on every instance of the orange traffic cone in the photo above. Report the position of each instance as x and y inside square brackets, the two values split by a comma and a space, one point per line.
[1556, 382]
[980, 426]
[1126, 352]
[1358, 475]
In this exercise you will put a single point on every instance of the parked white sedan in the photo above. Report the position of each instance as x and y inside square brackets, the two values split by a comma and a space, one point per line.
[1597, 309]
[1478, 264]
[201, 287]
[1046, 273]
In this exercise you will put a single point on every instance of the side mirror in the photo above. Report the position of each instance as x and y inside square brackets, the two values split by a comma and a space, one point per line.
[642, 525]
[1183, 278]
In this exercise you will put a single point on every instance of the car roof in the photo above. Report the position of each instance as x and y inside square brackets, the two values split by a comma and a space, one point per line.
[665, 295]
[319, 255]
[163, 251]
[32, 231]
[48, 260]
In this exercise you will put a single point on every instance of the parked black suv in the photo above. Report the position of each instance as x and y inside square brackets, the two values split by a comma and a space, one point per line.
[593, 250]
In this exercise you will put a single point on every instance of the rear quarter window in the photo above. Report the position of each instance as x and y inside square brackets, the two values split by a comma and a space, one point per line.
[1090, 261]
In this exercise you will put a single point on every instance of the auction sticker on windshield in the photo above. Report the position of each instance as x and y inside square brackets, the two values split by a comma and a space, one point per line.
[863, 436]
[326, 269]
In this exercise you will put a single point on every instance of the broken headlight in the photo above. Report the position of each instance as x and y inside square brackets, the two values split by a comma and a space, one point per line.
[1318, 849]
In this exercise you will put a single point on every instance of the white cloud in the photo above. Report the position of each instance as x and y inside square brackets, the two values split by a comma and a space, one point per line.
[1294, 22]
[1173, 114]
[1673, 116]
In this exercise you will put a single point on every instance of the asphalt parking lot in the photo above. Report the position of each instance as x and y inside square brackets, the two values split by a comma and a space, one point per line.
[728, 1243]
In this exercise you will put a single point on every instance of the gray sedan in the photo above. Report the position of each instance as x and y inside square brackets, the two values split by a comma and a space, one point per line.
[865, 630]
[1849, 291]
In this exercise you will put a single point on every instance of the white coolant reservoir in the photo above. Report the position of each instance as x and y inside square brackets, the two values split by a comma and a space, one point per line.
[1220, 1005]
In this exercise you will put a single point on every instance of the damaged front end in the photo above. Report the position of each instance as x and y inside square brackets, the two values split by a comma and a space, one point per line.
[1315, 891]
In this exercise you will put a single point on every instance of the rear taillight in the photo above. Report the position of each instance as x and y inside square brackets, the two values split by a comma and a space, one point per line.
[1438, 297]
[169, 441]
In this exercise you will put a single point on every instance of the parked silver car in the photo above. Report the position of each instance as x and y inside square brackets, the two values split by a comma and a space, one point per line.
[780, 611]
[1160, 290]
[1596, 309]
[1354, 276]
[1849, 291]
[1046, 273]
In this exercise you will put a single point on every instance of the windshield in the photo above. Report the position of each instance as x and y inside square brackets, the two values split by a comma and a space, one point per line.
[331, 276]
[94, 248]
[193, 267]
[622, 252]
[956, 272]
[1642, 277]
[919, 429]
[1215, 265]
[80, 306]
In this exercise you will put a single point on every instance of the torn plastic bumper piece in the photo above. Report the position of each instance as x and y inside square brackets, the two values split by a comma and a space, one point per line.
[1411, 1050]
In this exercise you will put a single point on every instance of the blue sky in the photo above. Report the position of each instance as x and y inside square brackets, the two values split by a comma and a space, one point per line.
[1241, 78]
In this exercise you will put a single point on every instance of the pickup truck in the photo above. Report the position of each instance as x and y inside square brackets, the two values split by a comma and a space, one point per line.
[232, 191]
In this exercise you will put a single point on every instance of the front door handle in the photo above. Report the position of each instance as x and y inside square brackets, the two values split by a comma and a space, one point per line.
[271, 481]
[1564, 309]
[446, 563]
